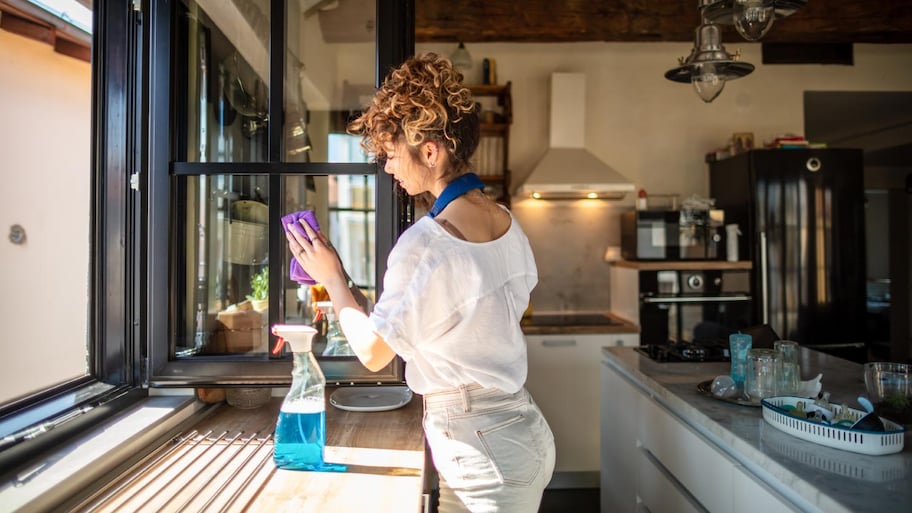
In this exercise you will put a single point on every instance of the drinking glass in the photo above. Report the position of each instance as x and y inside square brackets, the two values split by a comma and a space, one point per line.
[789, 369]
[739, 345]
[762, 374]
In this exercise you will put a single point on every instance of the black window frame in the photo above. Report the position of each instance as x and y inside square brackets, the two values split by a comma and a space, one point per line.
[395, 42]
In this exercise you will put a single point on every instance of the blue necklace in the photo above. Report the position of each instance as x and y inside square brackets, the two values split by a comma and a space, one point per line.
[456, 188]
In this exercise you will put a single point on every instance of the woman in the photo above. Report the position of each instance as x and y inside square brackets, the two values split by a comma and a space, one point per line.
[457, 283]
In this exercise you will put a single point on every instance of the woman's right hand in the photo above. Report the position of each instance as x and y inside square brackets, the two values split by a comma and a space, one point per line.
[315, 254]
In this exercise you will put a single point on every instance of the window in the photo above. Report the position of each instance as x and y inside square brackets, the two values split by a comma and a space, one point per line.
[244, 136]
[68, 159]
[117, 225]
[46, 211]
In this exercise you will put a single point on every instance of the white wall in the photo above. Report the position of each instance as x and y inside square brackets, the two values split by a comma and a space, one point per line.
[45, 169]
[654, 131]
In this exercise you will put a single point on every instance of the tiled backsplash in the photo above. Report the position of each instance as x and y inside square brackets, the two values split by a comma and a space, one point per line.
[569, 239]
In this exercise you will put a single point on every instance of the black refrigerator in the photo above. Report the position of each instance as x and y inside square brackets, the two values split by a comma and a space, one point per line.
[801, 215]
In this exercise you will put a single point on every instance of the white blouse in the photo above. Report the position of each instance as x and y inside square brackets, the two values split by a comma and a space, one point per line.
[451, 308]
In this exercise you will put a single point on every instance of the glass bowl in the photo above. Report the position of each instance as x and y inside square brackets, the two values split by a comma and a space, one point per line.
[889, 387]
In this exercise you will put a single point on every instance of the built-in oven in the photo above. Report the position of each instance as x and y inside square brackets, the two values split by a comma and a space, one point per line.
[693, 309]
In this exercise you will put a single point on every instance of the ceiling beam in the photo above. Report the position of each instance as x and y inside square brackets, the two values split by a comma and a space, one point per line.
[528, 21]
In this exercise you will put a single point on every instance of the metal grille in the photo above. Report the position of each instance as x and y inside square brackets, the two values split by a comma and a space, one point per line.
[192, 473]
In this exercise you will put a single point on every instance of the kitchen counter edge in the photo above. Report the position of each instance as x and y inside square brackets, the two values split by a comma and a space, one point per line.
[683, 265]
[622, 326]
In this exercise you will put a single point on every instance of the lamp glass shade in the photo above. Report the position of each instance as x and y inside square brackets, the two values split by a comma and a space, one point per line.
[461, 58]
[706, 82]
[753, 18]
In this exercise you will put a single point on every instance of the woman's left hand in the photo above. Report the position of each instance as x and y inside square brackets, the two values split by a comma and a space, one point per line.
[314, 253]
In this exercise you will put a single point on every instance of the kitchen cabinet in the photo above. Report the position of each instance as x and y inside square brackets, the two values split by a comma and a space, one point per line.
[650, 457]
[491, 159]
[564, 382]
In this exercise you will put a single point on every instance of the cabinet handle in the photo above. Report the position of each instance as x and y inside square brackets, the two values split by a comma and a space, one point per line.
[697, 299]
[764, 276]
[559, 342]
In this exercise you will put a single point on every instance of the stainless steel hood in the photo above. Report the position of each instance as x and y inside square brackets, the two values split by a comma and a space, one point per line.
[568, 170]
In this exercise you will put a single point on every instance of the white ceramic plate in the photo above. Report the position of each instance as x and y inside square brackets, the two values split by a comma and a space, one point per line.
[371, 398]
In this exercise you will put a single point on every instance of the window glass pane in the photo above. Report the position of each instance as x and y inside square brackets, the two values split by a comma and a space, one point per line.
[222, 258]
[221, 71]
[344, 206]
[46, 213]
[330, 68]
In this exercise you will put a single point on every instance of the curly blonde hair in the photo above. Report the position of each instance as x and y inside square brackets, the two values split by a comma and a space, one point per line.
[421, 100]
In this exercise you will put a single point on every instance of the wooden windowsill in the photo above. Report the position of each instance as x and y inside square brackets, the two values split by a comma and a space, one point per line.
[224, 463]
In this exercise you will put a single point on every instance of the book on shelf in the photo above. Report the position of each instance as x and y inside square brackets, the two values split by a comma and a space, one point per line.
[488, 158]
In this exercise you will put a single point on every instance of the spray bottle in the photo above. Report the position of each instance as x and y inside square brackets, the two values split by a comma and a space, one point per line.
[336, 343]
[301, 428]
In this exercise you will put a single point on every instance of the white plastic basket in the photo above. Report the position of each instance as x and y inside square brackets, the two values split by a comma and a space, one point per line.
[854, 440]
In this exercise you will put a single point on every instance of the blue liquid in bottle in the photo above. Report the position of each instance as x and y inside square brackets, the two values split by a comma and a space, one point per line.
[299, 440]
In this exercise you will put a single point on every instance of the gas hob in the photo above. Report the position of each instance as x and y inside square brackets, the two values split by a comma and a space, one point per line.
[697, 351]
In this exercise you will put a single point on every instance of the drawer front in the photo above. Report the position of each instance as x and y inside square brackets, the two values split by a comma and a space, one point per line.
[703, 470]
[659, 492]
[753, 496]
[619, 453]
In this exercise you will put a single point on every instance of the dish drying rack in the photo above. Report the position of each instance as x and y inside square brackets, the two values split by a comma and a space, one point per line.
[831, 435]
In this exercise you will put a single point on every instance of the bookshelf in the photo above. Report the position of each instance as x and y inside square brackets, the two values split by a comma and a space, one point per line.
[491, 159]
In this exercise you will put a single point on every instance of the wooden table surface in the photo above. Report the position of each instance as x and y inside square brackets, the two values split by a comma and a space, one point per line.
[384, 455]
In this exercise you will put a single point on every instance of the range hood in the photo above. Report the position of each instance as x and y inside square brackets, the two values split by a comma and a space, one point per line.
[568, 170]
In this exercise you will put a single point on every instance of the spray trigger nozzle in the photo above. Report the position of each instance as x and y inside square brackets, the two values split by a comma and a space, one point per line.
[279, 345]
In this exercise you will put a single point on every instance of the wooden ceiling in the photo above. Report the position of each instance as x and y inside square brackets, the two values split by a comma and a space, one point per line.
[528, 21]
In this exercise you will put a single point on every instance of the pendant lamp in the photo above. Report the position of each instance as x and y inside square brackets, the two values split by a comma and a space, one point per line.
[751, 18]
[709, 65]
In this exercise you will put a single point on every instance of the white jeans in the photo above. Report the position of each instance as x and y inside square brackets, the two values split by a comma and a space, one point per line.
[494, 451]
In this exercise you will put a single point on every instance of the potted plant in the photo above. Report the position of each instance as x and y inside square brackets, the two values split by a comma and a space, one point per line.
[242, 327]
[259, 290]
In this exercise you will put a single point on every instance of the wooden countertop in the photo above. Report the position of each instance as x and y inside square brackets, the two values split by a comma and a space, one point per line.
[621, 326]
[683, 265]
[224, 463]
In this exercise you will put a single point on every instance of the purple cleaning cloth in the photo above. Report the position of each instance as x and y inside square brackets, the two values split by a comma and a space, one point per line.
[296, 271]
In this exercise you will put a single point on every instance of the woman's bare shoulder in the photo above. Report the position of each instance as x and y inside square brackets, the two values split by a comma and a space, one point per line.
[476, 219]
